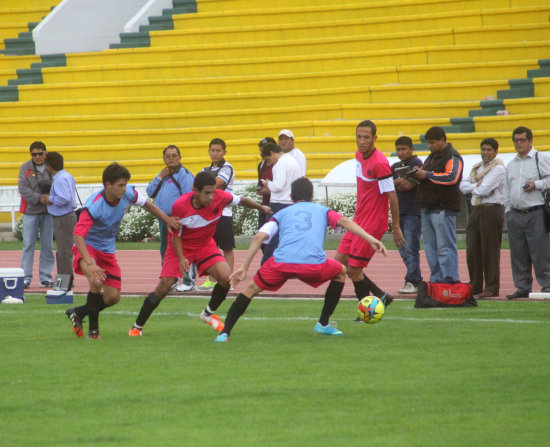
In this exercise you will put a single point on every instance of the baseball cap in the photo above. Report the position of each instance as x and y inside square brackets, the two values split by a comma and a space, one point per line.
[286, 132]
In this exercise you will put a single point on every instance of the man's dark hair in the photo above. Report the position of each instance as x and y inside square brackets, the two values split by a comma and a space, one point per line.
[404, 141]
[301, 190]
[367, 123]
[491, 142]
[171, 146]
[268, 148]
[203, 179]
[522, 129]
[115, 172]
[436, 133]
[266, 140]
[217, 141]
[37, 145]
[55, 160]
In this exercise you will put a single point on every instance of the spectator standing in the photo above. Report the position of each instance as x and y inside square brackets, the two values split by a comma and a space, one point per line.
[173, 181]
[438, 197]
[61, 205]
[285, 171]
[286, 142]
[34, 183]
[265, 171]
[527, 176]
[484, 230]
[375, 190]
[225, 176]
[409, 214]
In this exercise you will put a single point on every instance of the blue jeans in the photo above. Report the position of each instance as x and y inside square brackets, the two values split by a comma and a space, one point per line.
[439, 232]
[32, 224]
[411, 227]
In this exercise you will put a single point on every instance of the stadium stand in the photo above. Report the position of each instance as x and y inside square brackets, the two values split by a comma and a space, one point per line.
[240, 72]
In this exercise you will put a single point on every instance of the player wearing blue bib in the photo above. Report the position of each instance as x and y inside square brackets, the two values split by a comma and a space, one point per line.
[94, 250]
[301, 228]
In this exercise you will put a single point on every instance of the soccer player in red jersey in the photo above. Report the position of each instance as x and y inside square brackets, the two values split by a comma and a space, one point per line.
[375, 189]
[198, 212]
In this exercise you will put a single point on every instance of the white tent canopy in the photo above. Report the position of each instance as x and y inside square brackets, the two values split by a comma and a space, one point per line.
[343, 175]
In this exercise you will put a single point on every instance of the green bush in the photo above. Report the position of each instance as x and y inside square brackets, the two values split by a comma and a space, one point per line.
[18, 233]
[245, 220]
[137, 224]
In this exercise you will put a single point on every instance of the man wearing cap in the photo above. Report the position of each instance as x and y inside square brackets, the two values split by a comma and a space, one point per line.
[286, 142]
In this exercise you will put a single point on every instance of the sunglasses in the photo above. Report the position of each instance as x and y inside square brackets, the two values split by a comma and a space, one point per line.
[37, 154]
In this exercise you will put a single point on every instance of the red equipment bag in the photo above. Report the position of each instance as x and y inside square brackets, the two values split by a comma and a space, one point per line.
[432, 294]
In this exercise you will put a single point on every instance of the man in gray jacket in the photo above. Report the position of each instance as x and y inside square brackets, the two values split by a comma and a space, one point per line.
[34, 185]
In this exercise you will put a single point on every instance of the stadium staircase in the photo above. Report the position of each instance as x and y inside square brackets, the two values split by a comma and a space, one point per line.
[239, 72]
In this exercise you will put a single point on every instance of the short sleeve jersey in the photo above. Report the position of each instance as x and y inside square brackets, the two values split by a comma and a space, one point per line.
[199, 224]
[106, 217]
[302, 228]
[374, 179]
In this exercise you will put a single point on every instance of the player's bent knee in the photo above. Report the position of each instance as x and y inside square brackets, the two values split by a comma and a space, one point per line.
[341, 277]
[224, 282]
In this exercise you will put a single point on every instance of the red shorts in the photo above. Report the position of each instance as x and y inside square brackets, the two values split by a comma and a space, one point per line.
[358, 250]
[203, 258]
[272, 275]
[107, 261]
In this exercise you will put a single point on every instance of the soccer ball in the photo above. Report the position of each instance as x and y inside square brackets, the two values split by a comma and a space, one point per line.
[370, 309]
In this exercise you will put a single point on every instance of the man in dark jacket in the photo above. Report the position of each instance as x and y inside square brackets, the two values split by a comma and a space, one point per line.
[438, 198]
[34, 185]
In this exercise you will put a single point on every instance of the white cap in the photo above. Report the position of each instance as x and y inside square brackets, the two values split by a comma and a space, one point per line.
[287, 132]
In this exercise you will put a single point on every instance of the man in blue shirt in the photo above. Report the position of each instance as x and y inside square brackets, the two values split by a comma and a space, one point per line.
[300, 254]
[409, 214]
[61, 205]
[172, 182]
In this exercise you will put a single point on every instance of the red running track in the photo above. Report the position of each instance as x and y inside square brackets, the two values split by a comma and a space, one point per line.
[140, 269]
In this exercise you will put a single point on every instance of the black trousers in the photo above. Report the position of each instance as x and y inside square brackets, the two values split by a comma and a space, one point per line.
[483, 240]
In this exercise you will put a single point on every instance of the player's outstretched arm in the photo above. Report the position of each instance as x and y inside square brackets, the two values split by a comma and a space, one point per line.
[96, 273]
[394, 209]
[172, 223]
[184, 262]
[247, 203]
[240, 274]
[351, 226]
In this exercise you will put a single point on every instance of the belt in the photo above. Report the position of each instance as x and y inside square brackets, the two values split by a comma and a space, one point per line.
[486, 205]
[528, 210]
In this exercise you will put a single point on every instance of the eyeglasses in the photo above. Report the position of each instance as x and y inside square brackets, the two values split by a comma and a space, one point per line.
[519, 140]
[171, 155]
[37, 154]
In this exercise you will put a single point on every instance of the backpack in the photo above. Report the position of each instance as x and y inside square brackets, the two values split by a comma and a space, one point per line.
[432, 294]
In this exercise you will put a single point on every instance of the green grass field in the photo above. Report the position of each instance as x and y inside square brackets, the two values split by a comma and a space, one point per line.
[453, 377]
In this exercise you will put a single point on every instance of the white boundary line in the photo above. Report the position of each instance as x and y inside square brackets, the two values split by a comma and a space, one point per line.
[305, 318]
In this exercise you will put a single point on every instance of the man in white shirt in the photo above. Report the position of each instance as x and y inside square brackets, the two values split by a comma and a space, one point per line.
[527, 177]
[484, 230]
[285, 171]
[286, 142]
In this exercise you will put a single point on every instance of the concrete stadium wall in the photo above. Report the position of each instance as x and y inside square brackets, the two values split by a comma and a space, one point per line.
[91, 25]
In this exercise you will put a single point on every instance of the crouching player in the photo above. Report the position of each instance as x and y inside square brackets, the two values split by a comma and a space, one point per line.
[198, 212]
[301, 227]
[94, 250]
